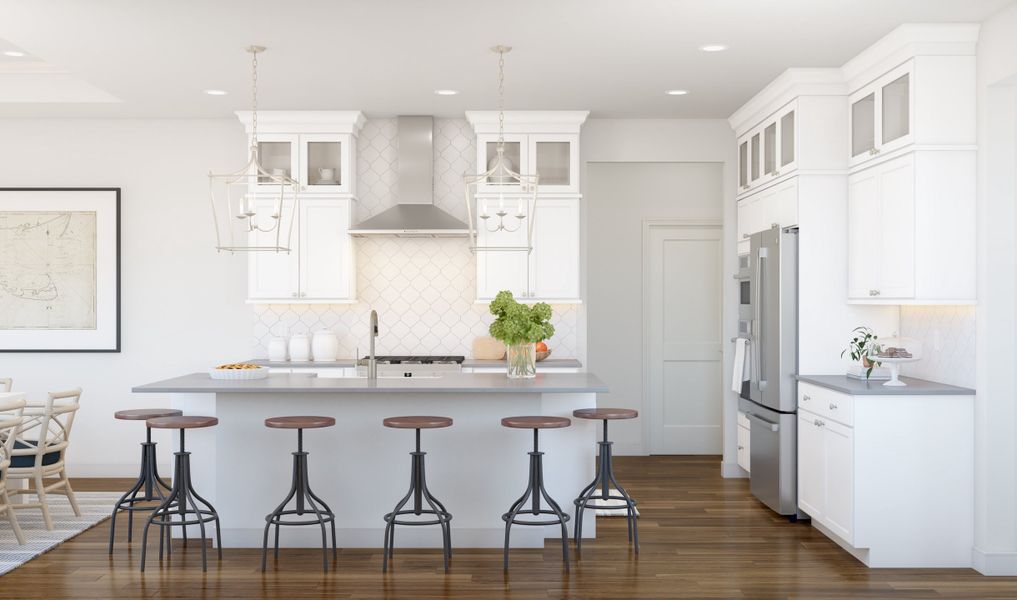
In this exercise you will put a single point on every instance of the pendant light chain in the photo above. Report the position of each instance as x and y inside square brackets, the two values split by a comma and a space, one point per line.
[501, 98]
[254, 98]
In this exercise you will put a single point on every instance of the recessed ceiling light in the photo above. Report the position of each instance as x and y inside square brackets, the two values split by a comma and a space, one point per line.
[216, 92]
[14, 53]
[676, 92]
[713, 47]
[446, 92]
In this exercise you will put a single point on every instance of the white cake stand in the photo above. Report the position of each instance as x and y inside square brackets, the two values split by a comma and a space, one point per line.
[894, 364]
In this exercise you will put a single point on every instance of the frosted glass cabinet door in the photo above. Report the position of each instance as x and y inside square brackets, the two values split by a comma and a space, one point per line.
[279, 155]
[770, 150]
[754, 150]
[895, 109]
[516, 153]
[786, 135]
[863, 127]
[743, 166]
[325, 163]
[555, 158]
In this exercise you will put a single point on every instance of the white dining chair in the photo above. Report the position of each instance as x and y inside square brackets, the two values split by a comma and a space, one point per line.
[40, 450]
[11, 407]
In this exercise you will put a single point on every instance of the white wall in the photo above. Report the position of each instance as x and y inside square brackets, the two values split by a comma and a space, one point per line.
[995, 549]
[612, 317]
[182, 305]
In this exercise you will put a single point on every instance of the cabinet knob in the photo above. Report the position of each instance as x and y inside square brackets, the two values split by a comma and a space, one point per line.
[818, 423]
[806, 398]
[833, 406]
[741, 447]
[873, 292]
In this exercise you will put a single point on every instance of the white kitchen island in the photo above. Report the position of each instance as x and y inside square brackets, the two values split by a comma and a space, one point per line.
[477, 468]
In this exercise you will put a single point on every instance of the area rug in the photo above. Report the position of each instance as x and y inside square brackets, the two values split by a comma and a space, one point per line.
[95, 508]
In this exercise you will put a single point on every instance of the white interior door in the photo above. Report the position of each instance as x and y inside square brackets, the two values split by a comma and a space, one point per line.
[682, 332]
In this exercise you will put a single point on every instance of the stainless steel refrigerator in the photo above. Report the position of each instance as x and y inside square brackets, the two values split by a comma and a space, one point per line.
[769, 396]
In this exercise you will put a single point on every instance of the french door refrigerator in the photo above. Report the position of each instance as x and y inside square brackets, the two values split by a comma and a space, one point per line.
[769, 398]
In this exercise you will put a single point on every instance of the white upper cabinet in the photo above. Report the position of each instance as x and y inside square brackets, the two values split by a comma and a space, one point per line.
[545, 144]
[316, 148]
[769, 150]
[320, 268]
[881, 115]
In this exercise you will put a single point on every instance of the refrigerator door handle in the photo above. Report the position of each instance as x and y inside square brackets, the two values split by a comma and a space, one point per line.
[764, 422]
[760, 326]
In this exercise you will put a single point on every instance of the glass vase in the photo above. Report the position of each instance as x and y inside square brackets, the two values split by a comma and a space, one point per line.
[521, 360]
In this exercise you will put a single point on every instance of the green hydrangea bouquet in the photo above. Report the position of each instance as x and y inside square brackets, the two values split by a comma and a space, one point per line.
[520, 327]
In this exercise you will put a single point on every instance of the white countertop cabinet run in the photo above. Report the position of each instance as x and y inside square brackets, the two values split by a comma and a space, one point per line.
[889, 477]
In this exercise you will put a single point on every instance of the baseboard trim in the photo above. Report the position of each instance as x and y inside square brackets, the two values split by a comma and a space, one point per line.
[995, 564]
[630, 449]
[730, 470]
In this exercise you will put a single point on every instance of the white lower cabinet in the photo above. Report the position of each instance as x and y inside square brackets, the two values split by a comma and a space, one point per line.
[744, 442]
[889, 477]
[320, 267]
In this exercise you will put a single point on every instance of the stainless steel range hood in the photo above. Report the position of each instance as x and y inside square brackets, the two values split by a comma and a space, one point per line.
[415, 215]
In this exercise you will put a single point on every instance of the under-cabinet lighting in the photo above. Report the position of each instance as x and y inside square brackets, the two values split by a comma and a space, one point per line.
[446, 92]
[713, 47]
[676, 92]
[216, 92]
[14, 53]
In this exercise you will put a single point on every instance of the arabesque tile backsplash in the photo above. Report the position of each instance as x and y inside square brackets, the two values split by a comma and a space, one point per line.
[423, 289]
[947, 334]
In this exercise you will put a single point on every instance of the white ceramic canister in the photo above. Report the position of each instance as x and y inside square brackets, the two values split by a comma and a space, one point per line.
[277, 349]
[325, 346]
[300, 348]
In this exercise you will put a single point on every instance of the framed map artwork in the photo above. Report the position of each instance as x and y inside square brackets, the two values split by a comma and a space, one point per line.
[59, 269]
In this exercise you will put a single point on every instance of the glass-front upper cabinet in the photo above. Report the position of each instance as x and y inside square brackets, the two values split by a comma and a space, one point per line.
[516, 155]
[743, 166]
[754, 152]
[788, 152]
[325, 163]
[881, 115]
[770, 149]
[555, 158]
[277, 153]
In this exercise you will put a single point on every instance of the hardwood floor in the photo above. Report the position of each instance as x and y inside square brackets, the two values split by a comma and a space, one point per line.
[702, 537]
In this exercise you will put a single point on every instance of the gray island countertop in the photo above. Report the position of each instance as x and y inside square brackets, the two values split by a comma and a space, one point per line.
[861, 387]
[452, 383]
[469, 363]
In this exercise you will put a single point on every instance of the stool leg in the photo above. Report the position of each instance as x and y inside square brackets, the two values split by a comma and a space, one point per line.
[161, 510]
[328, 510]
[426, 495]
[516, 507]
[275, 515]
[389, 543]
[304, 495]
[557, 512]
[132, 493]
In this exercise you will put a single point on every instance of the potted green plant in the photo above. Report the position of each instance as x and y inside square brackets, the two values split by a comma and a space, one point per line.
[863, 345]
[520, 327]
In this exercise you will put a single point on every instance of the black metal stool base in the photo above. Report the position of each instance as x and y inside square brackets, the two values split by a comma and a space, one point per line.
[183, 504]
[307, 503]
[605, 476]
[149, 481]
[420, 494]
[535, 491]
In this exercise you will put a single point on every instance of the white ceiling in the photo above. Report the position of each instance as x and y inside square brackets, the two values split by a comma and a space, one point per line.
[129, 58]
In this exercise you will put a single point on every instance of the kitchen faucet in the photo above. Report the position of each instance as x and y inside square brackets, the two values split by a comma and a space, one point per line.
[372, 362]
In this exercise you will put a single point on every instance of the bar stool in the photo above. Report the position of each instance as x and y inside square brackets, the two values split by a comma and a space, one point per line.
[301, 491]
[149, 480]
[182, 494]
[535, 489]
[419, 492]
[605, 475]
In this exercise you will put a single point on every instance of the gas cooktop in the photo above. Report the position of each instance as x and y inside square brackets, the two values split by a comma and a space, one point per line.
[416, 360]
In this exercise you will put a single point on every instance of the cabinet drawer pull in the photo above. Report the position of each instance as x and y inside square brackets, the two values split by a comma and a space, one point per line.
[806, 398]
[819, 423]
[833, 406]
[873, 292]
[741, 447]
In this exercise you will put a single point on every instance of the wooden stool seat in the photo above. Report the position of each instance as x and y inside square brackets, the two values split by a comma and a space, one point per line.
[182, 422]
[600, 414]
[417, 422]
[299, 422]
[536, 422]
[144, 414]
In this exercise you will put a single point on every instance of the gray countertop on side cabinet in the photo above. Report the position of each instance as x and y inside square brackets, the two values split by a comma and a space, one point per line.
[452, 383]
[469, 363]
[861, 387]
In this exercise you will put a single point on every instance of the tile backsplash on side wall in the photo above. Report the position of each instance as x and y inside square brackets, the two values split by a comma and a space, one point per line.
[947, 334]
[423, 289]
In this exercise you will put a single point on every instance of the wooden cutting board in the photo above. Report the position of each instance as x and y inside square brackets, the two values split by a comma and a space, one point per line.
[488, 348]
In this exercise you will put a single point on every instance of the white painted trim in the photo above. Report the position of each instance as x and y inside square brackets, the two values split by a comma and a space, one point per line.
[305, 121]
[528, 121]
[789, 85]
[648, 409]
[629, 449]
[906, 42]
[731, 470]
[995, 564]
